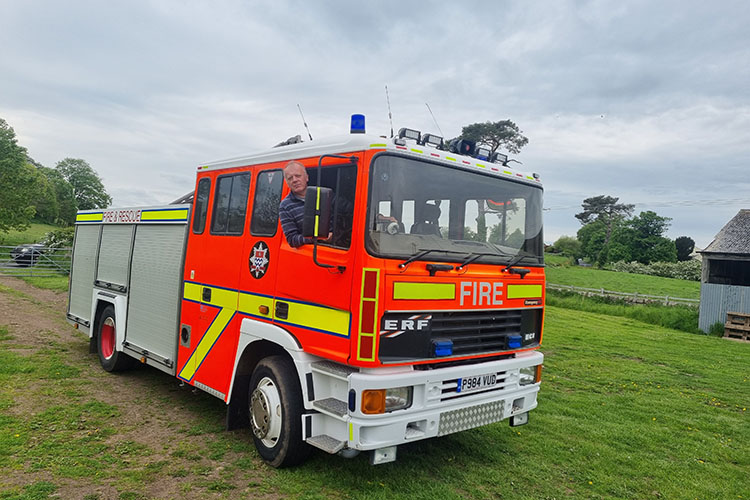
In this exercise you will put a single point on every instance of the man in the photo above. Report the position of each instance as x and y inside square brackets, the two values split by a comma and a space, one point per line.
[292, 208]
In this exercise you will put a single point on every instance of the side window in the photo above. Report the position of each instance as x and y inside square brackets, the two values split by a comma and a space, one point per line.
[200, 205]
[230, 204]
[343, 180]
[266, 203]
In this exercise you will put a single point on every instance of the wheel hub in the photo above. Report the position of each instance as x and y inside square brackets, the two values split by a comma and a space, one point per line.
[265, 412]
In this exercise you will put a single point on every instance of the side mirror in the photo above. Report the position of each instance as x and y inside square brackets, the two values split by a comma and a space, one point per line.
[317, 218]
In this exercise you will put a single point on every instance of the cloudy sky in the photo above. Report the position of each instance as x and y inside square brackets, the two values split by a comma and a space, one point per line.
[647, 101]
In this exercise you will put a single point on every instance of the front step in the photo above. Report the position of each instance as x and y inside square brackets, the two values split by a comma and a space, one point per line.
[327, 443]
[333, 406]
[336, 370]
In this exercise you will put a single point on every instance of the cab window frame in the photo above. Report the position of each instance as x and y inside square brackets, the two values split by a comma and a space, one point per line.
[216, 211]
[200, 212]
[256, 205]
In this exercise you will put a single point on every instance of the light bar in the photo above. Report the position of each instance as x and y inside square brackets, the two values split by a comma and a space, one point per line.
[500, 158]
[432, 140]
[408, 133]
[482, 153]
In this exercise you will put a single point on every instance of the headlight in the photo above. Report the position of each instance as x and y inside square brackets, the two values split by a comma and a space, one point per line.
[530, 375]
[386, 400]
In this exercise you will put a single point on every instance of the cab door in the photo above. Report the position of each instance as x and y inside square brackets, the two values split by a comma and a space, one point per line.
[314, 302]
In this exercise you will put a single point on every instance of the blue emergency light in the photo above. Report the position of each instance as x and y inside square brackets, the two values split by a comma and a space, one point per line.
[358, 124]
[514, 341]
[442, 347]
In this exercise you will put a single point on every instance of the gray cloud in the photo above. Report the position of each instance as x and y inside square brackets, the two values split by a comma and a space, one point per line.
[641, 100]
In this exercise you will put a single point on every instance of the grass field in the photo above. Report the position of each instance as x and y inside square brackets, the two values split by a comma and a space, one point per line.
[32, 235]
[588, 277]
[626, 410]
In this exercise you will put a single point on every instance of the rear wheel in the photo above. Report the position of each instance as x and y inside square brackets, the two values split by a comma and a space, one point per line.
[110, 358]
[275, 409]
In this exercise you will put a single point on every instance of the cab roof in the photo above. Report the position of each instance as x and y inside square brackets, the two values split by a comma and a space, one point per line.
[351, 143]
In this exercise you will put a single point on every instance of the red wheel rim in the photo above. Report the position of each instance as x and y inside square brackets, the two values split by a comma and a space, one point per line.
[108, 338]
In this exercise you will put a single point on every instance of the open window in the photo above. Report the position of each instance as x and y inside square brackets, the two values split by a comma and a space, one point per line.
[342, 179]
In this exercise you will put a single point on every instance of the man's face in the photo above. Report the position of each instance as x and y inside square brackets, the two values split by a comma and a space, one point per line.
[296, 179]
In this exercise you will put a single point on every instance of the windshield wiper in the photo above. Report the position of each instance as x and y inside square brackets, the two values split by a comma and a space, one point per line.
[421, 253]
[518, 258]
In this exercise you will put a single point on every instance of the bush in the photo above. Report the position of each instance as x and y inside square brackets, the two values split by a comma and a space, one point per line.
[688, 270]
[59, 238]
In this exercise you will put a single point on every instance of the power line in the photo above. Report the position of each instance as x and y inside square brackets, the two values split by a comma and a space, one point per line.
[674, 203]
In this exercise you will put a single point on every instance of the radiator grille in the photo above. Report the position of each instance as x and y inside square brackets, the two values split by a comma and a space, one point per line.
[477, 332]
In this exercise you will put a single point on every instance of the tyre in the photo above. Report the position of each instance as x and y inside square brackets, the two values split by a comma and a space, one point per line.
[110, 358]
[275, 410]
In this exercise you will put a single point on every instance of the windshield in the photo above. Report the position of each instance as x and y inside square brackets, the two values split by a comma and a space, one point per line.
[425, 211]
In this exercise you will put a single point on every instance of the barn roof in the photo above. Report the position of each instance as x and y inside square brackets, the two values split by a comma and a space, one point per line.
[734, 237]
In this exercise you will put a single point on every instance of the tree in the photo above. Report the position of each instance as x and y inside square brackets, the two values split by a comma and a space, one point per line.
[17, 181]
[504, 133]
[88, 189]
[66, 201]
[568, 246]
[685, 246]
[45, 199]
[647, 241]
[608, 212]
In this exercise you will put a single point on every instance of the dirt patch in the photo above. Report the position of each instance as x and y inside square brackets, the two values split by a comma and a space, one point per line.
[165, 440]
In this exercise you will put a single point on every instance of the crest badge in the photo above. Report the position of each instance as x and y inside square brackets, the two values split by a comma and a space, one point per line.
[259, 259]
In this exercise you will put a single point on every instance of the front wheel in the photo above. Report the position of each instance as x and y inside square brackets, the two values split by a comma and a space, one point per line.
[110, 358]
[275, 408]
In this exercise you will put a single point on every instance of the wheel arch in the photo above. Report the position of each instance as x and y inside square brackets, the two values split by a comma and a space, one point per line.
[258, 340]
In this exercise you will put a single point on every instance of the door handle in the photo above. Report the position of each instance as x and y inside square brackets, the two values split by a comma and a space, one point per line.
[282, 310]
[206, 294]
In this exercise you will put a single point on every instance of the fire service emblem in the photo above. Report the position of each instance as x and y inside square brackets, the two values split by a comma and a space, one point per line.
[259, 259]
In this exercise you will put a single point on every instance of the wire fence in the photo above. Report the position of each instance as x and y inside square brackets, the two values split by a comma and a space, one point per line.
[635, 298]
[34, 260]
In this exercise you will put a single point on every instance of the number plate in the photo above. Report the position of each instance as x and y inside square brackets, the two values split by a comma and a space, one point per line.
[476, 383]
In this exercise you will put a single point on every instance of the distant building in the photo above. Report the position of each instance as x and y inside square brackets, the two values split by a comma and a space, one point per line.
[725, 276]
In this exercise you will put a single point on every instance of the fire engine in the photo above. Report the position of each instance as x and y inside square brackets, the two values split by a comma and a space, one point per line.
[414, 312]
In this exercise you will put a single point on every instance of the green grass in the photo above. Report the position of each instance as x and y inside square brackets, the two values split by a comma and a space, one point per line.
[683, 318]
[626, 410]
[588, 277]
[56, 283]
[32, 235]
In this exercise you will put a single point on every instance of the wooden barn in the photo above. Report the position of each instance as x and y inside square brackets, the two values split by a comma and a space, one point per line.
[725, 278]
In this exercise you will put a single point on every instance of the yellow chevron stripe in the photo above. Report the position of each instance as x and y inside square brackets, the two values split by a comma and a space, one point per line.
[230, 301]
[226, 300]
[317, 317]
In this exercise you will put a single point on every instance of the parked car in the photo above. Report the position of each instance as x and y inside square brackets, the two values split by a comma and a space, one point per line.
[28, 254]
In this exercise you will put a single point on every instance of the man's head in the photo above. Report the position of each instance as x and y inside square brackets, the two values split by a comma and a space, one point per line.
[295, 176]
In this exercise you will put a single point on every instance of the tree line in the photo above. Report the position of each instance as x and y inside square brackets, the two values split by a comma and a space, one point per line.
[610, 233]
[29, 191]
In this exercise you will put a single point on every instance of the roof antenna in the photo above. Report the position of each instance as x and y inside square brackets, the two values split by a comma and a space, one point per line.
[388, 100]
[305, 123]
[433, 119]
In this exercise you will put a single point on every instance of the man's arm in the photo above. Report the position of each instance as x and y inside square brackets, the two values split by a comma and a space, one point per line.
[291, 231]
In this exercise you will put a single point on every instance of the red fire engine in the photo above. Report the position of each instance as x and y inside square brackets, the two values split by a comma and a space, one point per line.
[420, 316]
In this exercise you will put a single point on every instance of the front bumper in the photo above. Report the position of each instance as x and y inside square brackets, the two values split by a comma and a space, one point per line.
[436, 409]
